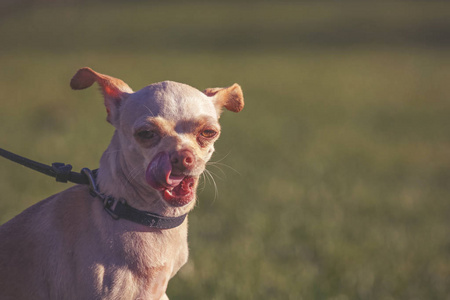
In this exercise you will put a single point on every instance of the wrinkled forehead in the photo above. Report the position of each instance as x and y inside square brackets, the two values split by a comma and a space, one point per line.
[170, 100]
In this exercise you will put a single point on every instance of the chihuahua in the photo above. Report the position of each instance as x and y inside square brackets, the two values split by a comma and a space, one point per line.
[68, 247]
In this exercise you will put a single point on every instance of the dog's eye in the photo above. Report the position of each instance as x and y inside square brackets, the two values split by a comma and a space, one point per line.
[208, 133]
[146, 134]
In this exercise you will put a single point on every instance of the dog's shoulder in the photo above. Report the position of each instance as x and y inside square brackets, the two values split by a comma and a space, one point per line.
[44, 211]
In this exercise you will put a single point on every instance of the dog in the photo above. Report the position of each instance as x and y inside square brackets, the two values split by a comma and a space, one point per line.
[68, 246]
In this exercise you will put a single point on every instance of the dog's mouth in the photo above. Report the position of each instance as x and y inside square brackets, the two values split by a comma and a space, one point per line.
[176, 189]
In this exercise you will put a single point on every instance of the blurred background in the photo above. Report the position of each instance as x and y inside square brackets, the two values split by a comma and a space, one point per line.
[333, 182]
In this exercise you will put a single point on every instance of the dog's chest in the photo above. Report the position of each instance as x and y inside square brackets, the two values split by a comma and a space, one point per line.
[119, 282]
[154, 285]
[144, 264]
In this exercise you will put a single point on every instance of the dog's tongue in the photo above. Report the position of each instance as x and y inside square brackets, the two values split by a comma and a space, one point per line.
[158, 173]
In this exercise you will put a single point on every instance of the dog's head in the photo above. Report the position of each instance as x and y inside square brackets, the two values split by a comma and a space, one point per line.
[166, 129]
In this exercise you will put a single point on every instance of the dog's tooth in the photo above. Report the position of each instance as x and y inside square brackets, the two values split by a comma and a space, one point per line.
[167, 195]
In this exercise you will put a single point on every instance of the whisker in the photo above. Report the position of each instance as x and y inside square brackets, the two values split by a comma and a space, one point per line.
[132, 175]
[218, 168]
[149, 110]
[207, 176]
[226, 155]
[212, 173]
[216, 190]
[203, 183]
[217, 164]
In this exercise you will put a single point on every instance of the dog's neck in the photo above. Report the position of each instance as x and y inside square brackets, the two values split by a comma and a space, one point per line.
[117, 178]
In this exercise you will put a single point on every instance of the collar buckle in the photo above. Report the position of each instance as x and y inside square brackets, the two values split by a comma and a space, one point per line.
[93, 189]
[110, 203]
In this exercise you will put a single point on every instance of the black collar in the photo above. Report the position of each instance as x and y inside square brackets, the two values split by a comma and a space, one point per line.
[119, 209]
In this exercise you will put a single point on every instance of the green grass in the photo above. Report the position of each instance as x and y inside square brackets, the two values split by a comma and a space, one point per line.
[339, 165]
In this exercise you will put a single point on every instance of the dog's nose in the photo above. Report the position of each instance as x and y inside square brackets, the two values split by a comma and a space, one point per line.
[182, 160]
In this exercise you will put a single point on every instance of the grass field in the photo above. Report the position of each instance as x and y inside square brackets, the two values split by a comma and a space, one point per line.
[336, 176]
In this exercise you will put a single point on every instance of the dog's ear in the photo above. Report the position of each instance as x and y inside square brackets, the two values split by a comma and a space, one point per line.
[231, 98]
[114, 90]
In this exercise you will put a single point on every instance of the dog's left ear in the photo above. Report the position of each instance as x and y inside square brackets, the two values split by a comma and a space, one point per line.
[114, 90]
[231, 98]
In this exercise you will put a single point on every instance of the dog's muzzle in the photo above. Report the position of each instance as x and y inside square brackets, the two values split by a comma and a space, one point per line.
[176, 188]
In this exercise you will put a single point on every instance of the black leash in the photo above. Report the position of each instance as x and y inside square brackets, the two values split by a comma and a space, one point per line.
[62, 172]
[116, 208]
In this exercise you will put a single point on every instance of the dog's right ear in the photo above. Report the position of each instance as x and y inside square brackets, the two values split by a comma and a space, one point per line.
[114, 90]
